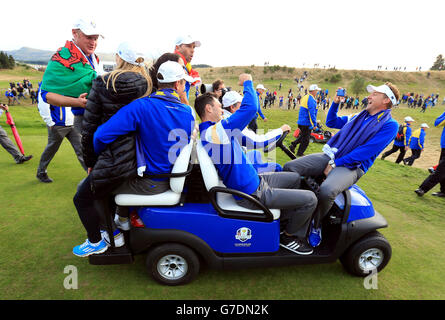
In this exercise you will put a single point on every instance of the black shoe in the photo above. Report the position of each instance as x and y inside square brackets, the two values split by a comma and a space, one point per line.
[404, 161]
[438, 194]
[419, 192]
[23, 159]
[295, 245]
[43, 177]
[292, 147]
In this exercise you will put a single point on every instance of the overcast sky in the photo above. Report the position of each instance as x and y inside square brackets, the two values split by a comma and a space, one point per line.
[346, 33]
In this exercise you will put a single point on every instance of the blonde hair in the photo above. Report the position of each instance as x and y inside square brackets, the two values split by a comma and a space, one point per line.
[123, 67]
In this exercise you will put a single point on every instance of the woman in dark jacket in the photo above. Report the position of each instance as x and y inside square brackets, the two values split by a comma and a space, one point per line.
[117, 163]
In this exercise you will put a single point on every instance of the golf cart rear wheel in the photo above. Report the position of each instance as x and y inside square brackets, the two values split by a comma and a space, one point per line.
[172, 264]
[371, 252]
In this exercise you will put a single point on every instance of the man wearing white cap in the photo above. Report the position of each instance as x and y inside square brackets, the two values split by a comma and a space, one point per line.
[401, 142]
[247, 138]
[253, 125]
[350, 153]
[185, 47]
[416, 144]
[307, 120]
[63, 93]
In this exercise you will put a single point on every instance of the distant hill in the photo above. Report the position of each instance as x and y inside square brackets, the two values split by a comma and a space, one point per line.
[36, 56]
[30, 55]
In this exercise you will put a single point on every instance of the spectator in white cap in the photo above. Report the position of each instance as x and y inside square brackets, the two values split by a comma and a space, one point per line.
[161, 125]
[253, 125]
[401, 142]
[416, 144]
[63, 94]
[307, 120]
[351, 152]
[185, 46]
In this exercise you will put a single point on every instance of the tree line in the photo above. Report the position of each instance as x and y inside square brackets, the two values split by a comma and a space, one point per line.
[6, 61]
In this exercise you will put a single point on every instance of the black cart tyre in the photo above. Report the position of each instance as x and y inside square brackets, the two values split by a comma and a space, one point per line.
[371, 252]
[172, 264]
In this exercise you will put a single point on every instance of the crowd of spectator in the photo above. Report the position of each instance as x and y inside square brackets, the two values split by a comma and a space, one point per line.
[20, 90]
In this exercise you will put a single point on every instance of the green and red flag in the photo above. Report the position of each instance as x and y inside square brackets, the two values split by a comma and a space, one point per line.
[69, 72]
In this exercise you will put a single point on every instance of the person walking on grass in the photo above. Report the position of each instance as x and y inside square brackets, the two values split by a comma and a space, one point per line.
[7, 144]
[307, 118]
[401, 142]
[438, 174]
[63, 93]
[416, 144]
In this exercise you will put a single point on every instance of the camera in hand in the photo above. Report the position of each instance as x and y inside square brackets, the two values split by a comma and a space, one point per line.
[341, 92]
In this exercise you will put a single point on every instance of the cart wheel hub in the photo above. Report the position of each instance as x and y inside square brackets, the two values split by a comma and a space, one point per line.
[172, 267]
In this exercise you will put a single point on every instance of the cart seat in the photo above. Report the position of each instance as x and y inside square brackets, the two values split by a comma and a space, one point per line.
[170, 197]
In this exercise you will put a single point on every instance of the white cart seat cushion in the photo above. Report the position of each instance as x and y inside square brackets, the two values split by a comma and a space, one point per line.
[168, 198]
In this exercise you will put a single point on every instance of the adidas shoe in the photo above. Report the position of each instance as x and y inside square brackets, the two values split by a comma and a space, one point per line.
[119, 240]
[122, 222]
[88, 248]
[295, 245]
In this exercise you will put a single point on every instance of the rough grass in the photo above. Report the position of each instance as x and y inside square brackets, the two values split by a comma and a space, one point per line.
[39, 227]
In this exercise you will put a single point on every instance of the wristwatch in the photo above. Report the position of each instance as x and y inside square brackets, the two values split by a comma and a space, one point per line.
[332, 163]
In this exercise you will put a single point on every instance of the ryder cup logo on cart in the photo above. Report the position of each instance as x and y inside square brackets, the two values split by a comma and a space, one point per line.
[243, 234]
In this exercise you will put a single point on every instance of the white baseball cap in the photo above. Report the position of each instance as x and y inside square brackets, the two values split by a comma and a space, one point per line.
[424, 125]
[260, 86]
[230, 98]
[187, 40]
[407, 119]
[88, 27]
[126, 52]
[383, 89]
[314, 87]
[171, 71]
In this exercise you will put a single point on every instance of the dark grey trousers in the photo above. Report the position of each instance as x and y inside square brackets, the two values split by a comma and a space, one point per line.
[279, 190]
[9, 145]
[56, 134]
[338, 180]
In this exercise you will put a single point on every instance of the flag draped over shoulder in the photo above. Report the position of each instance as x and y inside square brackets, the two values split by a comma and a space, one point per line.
[69, 72]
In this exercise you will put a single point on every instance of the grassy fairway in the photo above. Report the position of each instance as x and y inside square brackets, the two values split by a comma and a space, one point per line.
[39, 227]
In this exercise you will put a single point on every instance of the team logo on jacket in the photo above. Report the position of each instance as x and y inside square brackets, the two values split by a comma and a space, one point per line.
[243, 234]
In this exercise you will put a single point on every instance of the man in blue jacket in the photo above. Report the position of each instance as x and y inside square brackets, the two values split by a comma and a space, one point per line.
[416, 144]
[276, 190]
[401, 142]
[163, 126]
[307, 119]
[350, 153]
[438, 175]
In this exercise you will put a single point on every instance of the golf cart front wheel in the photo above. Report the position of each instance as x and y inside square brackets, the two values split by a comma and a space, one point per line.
[172, 264]
[372, 252]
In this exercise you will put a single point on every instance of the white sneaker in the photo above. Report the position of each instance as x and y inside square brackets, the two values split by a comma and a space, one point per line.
[123, 225]
[119, 240]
